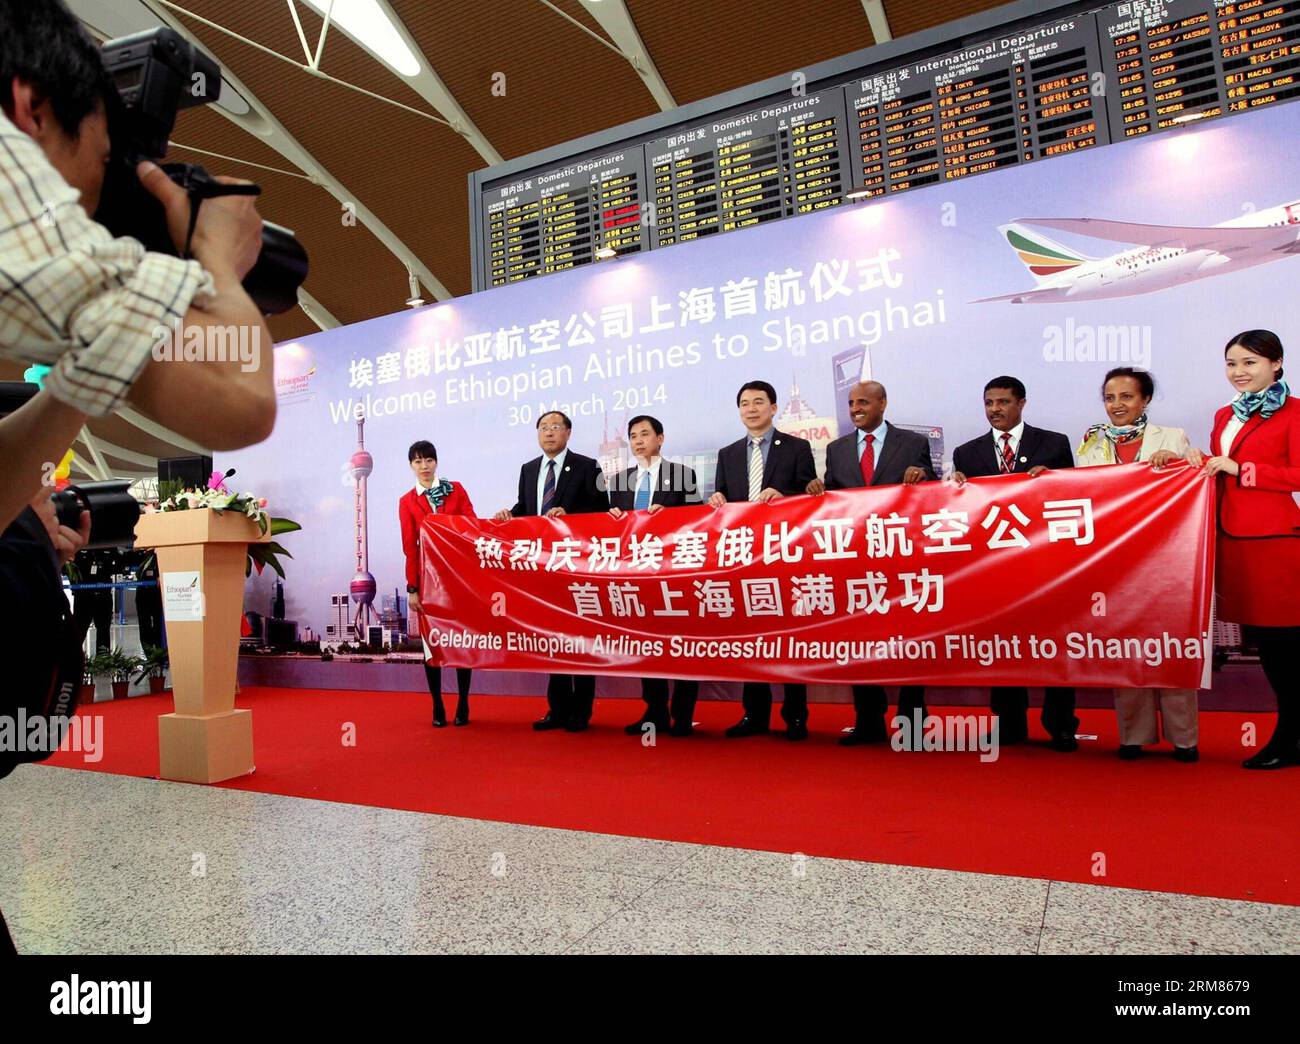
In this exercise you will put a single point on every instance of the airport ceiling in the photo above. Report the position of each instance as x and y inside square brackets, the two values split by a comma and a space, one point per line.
[571, 67]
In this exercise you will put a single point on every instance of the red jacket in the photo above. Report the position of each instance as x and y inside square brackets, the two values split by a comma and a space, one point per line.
[1259, 501]
[412, 510]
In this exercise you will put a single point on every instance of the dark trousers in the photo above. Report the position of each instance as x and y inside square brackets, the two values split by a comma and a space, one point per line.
[569, 697]
[871, 705]
[96, 607]
[148, 611]
[1279, 655]
[655, 693]
[1011, 705]
[433, 675]
[756, 698]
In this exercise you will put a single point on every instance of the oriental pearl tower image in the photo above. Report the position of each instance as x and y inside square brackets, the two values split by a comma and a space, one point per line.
[363, 586]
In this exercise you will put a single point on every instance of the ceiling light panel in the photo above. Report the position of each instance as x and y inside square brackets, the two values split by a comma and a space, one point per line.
[368, 23]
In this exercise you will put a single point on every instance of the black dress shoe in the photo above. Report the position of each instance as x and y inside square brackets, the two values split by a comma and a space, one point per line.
[1188, 754]
[546, 724]
[746, 727]
[681, 729]
[461, 719]
[1128, 752]
[796, 730]
[1064, 742]
[577, 725]
[439, 720]
[1272, 759]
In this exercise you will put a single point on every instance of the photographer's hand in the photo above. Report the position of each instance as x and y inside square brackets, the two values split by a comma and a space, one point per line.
[238, 397]
[67, 542]
[228, 234]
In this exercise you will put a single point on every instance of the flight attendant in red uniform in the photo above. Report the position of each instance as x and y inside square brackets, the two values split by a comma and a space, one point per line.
[1255, 449]
[430, 495]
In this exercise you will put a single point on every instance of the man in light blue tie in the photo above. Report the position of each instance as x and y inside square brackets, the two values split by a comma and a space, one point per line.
[652, 485]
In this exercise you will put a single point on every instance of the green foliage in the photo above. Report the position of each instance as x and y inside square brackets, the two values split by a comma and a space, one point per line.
[116, 666]
[154, 663]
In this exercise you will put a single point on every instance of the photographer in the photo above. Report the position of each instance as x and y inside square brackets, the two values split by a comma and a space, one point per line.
[90, 306]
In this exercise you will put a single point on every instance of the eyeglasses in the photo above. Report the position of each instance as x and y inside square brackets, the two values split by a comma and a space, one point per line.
[551, 427]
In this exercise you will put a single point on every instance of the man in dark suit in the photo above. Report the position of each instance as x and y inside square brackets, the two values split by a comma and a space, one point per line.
[651, 485]
[560, 482]
[876, 454]
[1014, 447]
[762, 466]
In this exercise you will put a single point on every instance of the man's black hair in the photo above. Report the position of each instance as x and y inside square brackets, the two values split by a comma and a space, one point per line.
[42, 42]
[655, 423]
[762, 386]
[1011, 384]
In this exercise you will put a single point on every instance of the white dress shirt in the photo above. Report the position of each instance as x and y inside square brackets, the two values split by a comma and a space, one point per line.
[654, 477]
[541, 474]
[1230, 432]
[423, 492]
[1016, 433]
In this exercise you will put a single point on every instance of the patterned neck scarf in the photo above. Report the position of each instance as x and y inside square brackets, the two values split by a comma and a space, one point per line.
[1113, 435]
[437, 494]
[1266, 402]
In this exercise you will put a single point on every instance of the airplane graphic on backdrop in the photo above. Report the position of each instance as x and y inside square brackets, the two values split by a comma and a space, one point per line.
[1166, 255]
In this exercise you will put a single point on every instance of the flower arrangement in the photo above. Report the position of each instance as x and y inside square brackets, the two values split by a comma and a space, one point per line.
[219, 498]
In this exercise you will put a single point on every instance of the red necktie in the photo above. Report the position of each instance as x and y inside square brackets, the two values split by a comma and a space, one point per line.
[1008, 458]
[868, 461]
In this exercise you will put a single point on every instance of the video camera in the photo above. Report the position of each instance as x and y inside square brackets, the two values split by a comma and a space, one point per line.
[113, 511]
[157, 73]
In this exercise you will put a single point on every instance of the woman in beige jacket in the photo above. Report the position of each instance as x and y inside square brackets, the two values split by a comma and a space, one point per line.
[1129, 437]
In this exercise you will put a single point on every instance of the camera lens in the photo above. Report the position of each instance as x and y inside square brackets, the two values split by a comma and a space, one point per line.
[113, 511]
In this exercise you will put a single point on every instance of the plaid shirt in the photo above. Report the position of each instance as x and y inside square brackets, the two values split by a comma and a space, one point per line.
[71, 296]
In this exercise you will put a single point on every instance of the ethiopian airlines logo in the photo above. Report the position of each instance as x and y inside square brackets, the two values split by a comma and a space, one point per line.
[292, 388]
[1040, 258]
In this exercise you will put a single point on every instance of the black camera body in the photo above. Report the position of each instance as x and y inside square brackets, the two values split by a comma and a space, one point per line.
[156, 74]
[113, 511]
[44, 661]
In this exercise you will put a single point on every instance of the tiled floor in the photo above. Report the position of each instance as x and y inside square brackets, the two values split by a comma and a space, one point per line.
[91, 862]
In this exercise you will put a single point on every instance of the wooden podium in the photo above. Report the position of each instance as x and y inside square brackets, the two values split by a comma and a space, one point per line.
[205, 740]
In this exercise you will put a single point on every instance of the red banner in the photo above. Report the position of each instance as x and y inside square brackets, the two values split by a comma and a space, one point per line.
[1092, 576]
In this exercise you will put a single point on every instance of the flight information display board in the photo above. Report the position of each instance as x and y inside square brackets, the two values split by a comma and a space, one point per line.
[558, 219]
[737, 171]
[1080, 80]
[1019, 98]
[1175, 61]
[1259, 52]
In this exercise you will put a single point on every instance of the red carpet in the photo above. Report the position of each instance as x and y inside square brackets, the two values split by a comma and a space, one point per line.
[1206, 829]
